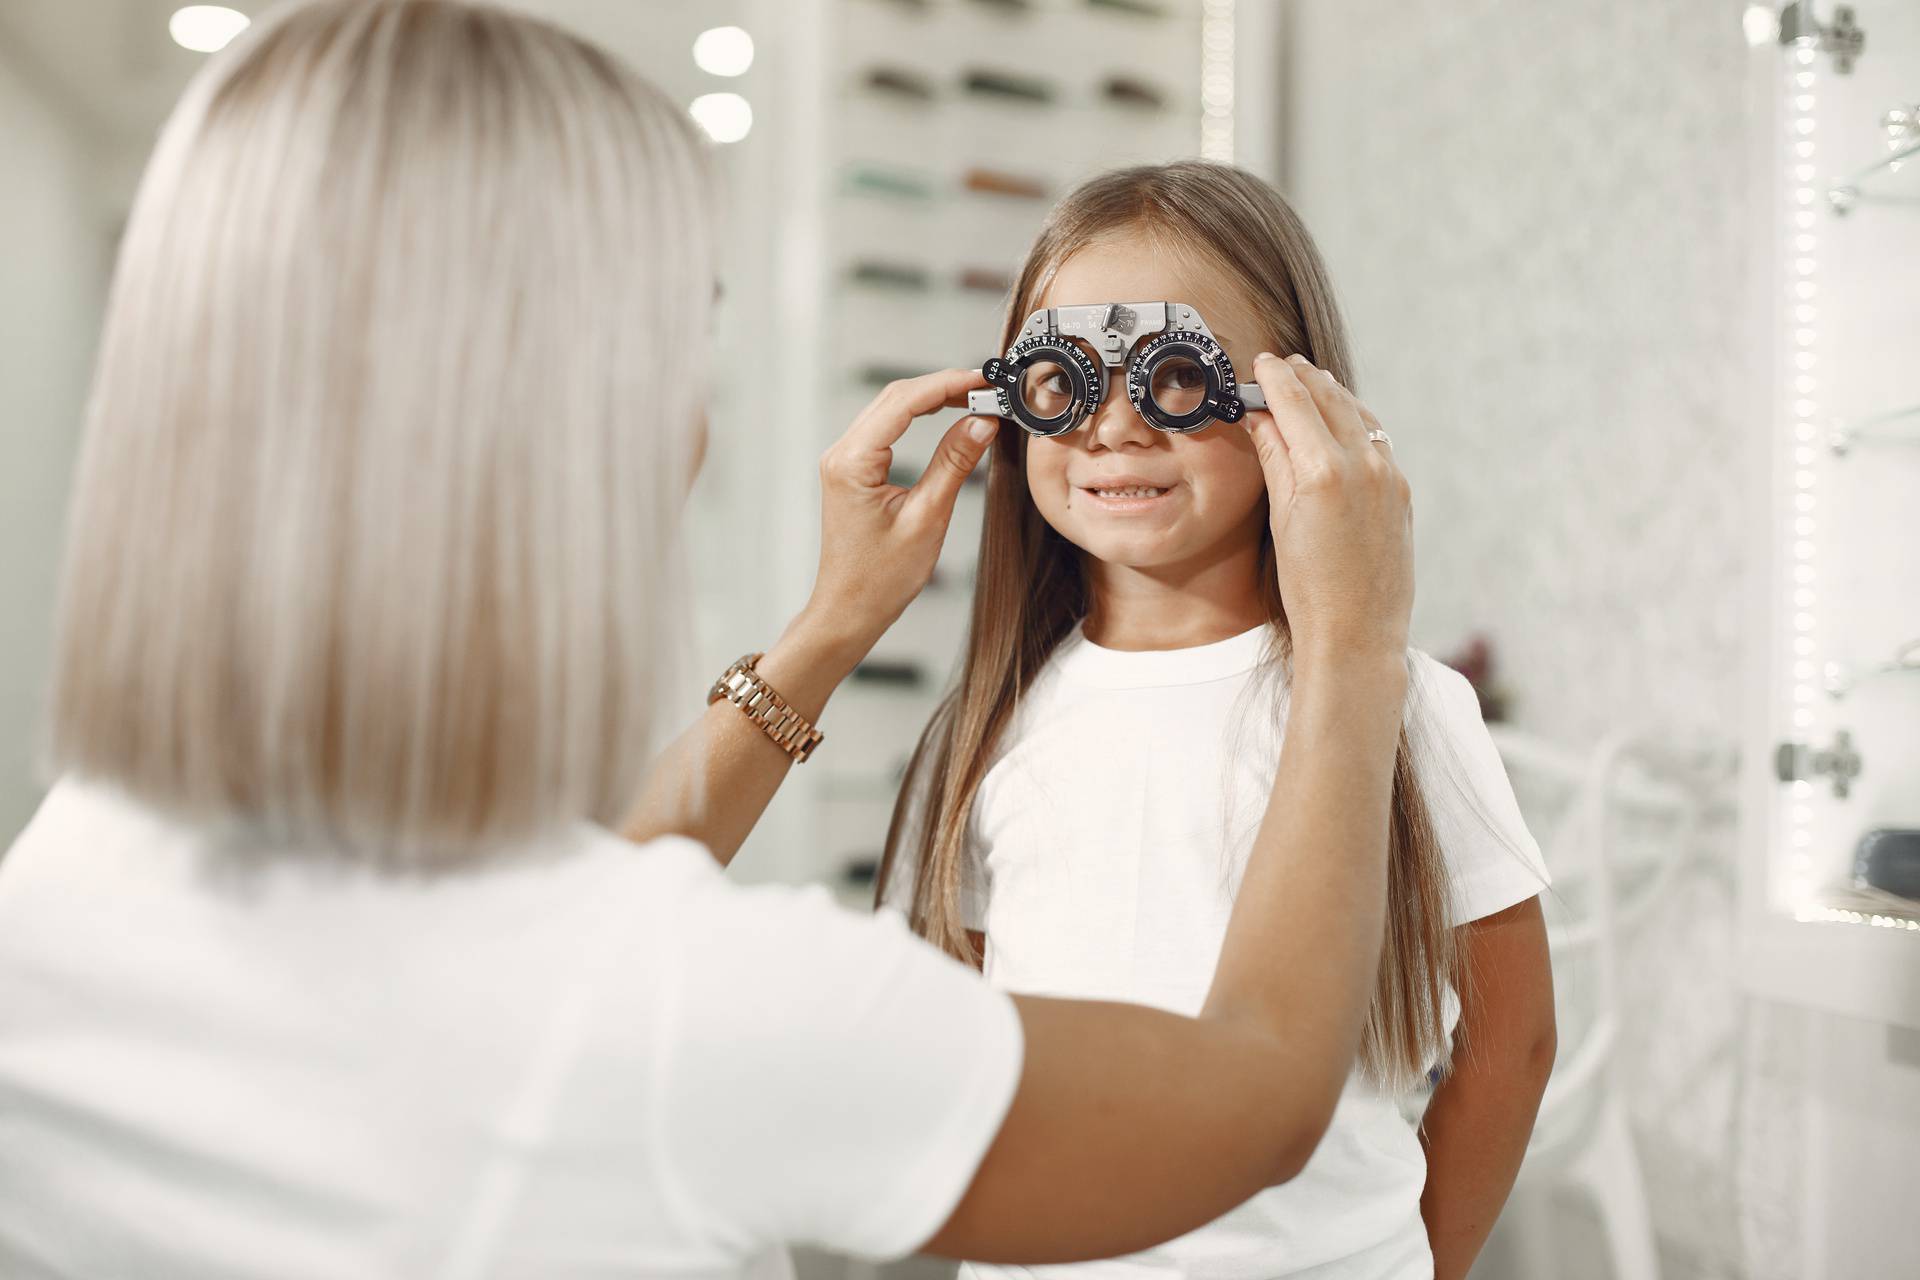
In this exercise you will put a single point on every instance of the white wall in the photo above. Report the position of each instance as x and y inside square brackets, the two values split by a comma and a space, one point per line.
[1534, 216]
[53, 266]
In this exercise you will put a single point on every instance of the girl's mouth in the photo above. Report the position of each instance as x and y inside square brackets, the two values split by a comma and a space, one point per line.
[1133, 497]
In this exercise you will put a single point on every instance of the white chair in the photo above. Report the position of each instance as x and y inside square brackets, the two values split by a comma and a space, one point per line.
[1628, 824]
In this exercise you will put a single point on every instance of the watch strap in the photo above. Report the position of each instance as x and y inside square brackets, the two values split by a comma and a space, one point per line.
[741, 685]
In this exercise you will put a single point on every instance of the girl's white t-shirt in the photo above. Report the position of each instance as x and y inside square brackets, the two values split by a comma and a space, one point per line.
[1103, 852]
[593, 1059]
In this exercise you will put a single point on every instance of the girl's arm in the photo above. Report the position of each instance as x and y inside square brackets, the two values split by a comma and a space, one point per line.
[1476, 1128]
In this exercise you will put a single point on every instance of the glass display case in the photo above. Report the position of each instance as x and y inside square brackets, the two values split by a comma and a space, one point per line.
[1832, 801]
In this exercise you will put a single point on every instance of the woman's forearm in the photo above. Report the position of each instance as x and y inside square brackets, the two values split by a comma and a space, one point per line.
[1132, 1124]
[739, 765]
[1303, 945]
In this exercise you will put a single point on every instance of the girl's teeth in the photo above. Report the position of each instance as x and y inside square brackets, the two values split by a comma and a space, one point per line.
[1130, 493]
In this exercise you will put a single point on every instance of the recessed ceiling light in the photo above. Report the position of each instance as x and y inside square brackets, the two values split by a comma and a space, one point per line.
[723, 51]
[725, 116]
[205, 28]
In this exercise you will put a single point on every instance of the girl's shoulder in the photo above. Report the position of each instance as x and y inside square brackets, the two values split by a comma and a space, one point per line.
[1493, 858]
[1445, 695]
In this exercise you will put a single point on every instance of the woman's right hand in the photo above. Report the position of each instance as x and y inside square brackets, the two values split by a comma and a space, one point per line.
[879, 542]
[1341, 513]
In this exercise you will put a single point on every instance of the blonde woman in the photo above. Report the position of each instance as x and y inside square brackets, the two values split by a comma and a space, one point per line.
[321, 957]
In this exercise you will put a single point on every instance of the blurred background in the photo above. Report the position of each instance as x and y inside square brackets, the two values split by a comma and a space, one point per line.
[1634, 283]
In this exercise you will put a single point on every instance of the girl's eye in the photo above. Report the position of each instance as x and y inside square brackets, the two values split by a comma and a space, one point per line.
[1178, 386]
[1047, 390]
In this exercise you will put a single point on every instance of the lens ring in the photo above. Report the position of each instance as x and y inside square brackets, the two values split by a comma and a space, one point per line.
[1220, 400]
[1086, 384]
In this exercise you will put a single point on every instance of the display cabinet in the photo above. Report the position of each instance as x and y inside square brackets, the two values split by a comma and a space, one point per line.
[1831, 813]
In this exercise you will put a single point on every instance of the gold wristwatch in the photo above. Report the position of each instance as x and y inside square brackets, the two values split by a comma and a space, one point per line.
[741, 685]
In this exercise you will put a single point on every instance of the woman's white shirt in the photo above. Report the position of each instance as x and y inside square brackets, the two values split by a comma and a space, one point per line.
[594, 1059]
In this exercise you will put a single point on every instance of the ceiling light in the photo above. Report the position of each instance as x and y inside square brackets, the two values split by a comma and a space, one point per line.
[725, 116]
[723, 51]
[205, 28]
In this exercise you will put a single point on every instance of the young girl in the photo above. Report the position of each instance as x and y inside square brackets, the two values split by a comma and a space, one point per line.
[1075, 815]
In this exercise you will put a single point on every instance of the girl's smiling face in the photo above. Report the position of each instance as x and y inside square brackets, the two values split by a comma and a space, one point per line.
[1213, 489]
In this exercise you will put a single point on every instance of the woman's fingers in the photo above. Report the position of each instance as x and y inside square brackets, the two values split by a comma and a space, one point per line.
[1325, 422]
[878, 541]
[887, 417]
[1338, 408]
[1341, 515]
[1295, 415]
[1385, 452]
[1371, 422]
[959, 452]
[1275, 461]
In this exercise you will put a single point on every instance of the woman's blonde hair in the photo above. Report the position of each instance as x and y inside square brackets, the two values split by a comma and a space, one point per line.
[1031, 587]
[374, 535]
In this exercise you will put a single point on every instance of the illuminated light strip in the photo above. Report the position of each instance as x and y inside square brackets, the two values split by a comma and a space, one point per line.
[1801, 589]
[1839, 915]
[1216, 80]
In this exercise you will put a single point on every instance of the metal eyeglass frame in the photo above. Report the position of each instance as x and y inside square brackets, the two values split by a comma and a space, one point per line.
[1162, 332]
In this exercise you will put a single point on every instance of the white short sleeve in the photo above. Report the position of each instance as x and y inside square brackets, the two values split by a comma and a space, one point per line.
[829, 1078]
[1492, 858]
[973, 869]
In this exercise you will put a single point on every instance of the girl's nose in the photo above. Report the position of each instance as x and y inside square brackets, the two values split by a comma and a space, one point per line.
[1115, 424]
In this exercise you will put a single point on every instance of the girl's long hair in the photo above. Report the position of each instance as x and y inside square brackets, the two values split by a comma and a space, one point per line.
[1031, 589]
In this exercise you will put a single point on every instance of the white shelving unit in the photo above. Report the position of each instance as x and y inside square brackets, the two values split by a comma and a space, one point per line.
[1836, 305]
